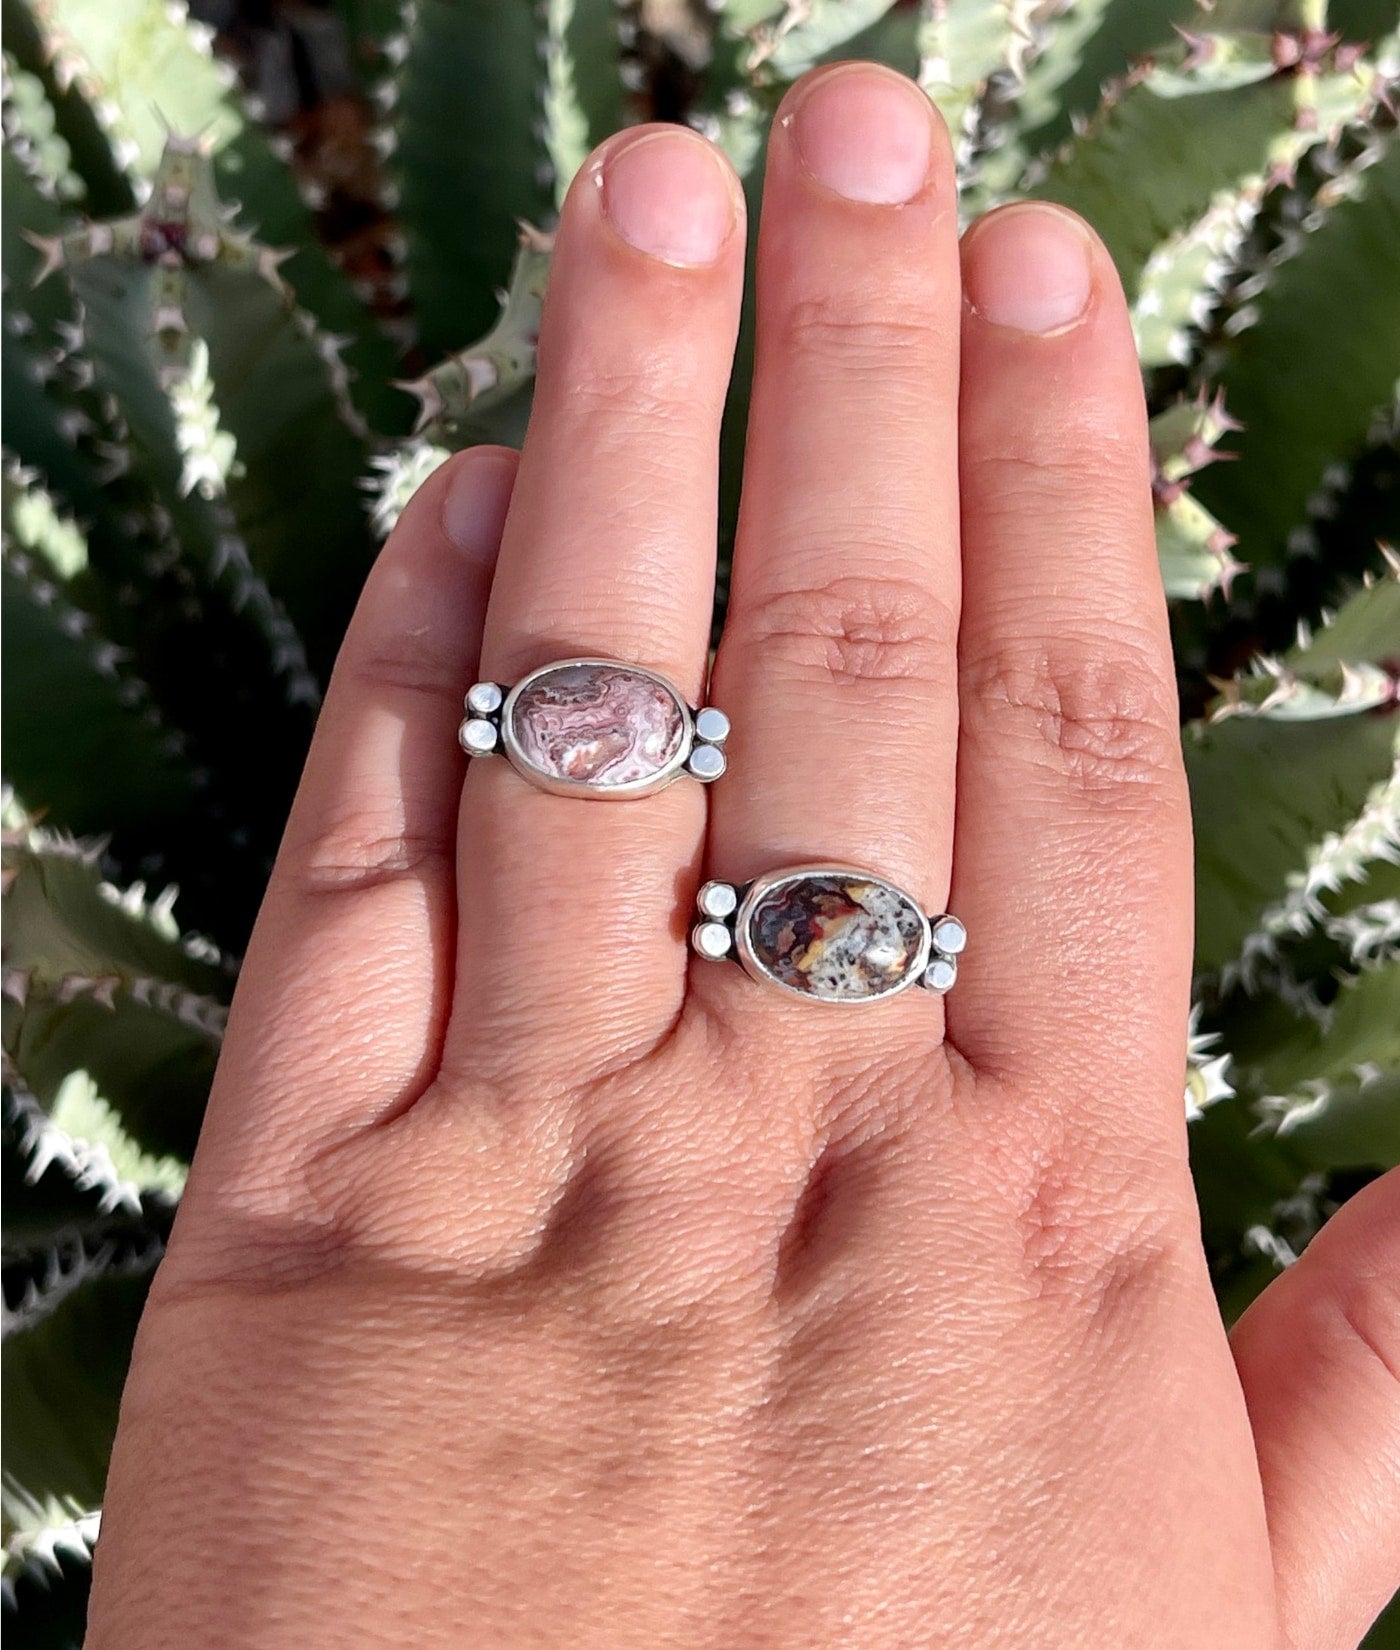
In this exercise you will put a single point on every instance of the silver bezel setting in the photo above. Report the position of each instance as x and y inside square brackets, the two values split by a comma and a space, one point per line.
[508, 745]
[749, 896]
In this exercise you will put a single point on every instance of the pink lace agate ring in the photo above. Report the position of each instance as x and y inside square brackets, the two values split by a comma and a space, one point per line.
[595, 728]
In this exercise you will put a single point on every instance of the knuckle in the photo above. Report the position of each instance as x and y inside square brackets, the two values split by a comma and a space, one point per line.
[363, 847]
[414, 665]
[1103, 716]
[846, 333]
[636, 392]
[1097, 1255]
[1358, 1316]
[854, 631]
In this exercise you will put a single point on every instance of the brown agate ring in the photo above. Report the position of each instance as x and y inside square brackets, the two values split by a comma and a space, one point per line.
[829, 933]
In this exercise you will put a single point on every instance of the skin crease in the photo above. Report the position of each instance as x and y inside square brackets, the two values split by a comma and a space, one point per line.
[536, 1288]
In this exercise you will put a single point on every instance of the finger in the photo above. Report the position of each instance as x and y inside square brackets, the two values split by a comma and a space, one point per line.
[838, 660]
[1073, 858]
[571, 917]
[340, 1007]
[1318, 1356]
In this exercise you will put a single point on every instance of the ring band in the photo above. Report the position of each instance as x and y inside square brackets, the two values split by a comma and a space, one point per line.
[595, 728]
[830, 933]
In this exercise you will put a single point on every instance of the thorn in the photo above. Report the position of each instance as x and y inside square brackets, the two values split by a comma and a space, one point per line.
[1219, 416]
[51, 249]
[1200, 48]
[534, 239]
[429, 397]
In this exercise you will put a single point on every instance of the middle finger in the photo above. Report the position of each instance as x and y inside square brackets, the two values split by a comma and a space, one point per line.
[838, 663]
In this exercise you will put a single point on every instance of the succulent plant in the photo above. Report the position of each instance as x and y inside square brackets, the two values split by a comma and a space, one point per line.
[179, 342]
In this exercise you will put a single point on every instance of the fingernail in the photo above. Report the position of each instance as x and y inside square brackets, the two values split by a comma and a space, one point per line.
[475, 504]
[669, 195]
[865, 134]
[1029, 267]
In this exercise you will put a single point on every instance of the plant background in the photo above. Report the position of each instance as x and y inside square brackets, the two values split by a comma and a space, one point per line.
[245, 350]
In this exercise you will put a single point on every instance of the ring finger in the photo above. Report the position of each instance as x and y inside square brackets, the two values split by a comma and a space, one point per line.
[609, 550]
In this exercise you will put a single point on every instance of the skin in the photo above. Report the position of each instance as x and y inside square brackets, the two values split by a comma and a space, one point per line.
[536, 1286]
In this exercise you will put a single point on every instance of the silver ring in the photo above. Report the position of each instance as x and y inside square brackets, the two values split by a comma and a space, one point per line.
[830, 933]
[595, 728]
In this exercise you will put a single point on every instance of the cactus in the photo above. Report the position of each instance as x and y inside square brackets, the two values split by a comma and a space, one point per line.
[178, 341]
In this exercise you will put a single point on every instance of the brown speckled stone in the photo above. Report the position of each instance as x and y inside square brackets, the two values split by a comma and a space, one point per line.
[839, 938]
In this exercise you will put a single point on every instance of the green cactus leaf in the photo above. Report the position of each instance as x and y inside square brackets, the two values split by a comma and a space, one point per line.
[1085, 48]
[278, 386]
[1361, 19]
[29, 216]
[582, 93]
[37, 427]
[1242, 1176]
[83, 740]
[65, 1355]
[42, 414]
[1181, 279]
[961, 46]
[100, 981]
[31, 130]
[105, 191]
[459, 395]
[1193, 550]
[48, 1575]
[1294, 787]
[466, 183]
[1366, 627]
[1343, 266]
[1192, 546]
[1201, 131]
[153, 73]
[1267, 795]
[1329, 1085]
[784, 41]
[171, 580]
[1078, 52]
[119, 301]
[75, 1173]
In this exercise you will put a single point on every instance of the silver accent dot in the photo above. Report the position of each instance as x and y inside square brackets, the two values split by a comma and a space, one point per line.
[706, 762]
[941, 974]
[949, 935]
[711, 940]
[484, 698]
[712, 725]
[717, 899]
[476, 737]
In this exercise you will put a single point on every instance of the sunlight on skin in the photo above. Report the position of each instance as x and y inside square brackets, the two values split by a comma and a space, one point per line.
[534, 1286]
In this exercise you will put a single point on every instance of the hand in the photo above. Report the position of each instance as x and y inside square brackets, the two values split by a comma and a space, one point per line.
[534, 1287]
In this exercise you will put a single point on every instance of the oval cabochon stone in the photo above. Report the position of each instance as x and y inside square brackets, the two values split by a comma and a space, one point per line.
[837, 936]
[598, 724]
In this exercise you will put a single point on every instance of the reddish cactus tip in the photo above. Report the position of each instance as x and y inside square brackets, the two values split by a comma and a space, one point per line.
[534, 239]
